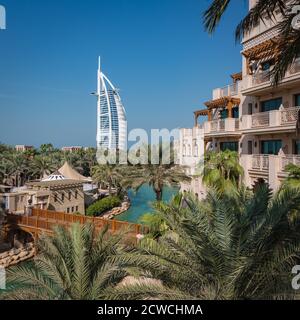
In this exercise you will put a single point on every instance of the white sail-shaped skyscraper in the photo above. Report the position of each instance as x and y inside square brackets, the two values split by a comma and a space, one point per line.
[111, 117]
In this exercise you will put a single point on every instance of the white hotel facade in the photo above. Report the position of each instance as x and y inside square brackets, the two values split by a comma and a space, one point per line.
[250, 116]
[111, 116]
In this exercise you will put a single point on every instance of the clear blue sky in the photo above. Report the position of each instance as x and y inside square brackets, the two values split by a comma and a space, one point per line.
[155, 51]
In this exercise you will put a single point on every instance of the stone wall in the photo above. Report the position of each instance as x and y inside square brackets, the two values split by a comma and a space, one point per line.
[116, 211]
[14, 256]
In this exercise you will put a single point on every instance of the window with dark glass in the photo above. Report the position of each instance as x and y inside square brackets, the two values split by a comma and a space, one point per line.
[270, 105]
[250, 107]
[70, 195]
[229, 145]
[265, 66]
[297, 147]
[235, 113]
[76, 194]
[250, 147]
[271, 146]
[297, 100]
[224, 114]
[62, 197]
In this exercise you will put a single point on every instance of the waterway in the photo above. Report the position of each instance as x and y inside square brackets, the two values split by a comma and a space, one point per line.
[141, 202]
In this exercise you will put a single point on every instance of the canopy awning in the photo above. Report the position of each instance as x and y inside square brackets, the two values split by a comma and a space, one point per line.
[222, 102]
[268, 48]
[237, 76]
[262, 52]
[203, 112]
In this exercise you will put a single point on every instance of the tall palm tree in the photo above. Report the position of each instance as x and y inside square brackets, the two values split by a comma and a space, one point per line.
[156, 176]
[76, 264]
[157, 169]
[231, 246]
[289, 38]
[5, 171]
[19, 167]
[46, 149]
[75, 159]
[222, 170]
[110, 175]
[42, 165]
[90, 160]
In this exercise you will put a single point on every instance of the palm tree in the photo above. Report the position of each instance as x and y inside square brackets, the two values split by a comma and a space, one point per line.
[74, 264]
[289, 41]
[5, 171]
[90, 160]
[75, 159]
[19, 167]
[293, 178]
[222, 170]
[110, 175]
[231, 246]
[156, 176]
[46, 149]
[155, 221]
[42, 165]
[158, 169]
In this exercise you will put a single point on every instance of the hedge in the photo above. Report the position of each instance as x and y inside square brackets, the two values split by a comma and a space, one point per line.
[105, 204]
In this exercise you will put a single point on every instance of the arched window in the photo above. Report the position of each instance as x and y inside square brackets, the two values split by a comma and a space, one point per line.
[184, 150]
[195, 150]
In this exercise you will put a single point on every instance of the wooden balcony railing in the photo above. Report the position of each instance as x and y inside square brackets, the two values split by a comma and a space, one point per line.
[289, 159]
[260, 162]
[295, 68]
[261, 77]
[214, 126]
[237, 124]
[290, 115]
[260, 119]
[222, 125]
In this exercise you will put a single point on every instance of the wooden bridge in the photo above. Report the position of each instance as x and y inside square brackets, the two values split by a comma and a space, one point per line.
[43, 222]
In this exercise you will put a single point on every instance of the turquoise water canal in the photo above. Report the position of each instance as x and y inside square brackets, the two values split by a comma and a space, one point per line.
[141, 202]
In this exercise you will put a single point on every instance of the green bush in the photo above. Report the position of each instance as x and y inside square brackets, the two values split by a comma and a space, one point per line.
[105, 204]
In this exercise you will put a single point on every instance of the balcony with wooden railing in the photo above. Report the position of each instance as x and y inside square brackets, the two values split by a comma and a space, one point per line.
[260, 82]
[261, 119]
[276, 119]
[289, 159]
[227, 91]
[218, 127]
[260, 162]
[261, 77]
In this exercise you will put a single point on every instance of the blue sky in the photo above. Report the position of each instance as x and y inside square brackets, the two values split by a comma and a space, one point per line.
[155, 51]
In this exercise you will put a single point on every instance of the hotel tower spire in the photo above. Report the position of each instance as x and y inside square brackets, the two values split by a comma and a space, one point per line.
[111, 117]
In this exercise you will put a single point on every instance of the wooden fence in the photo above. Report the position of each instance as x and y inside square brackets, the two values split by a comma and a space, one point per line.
[45, 220]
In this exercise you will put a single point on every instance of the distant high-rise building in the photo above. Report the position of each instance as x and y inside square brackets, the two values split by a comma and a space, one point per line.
[111, 117]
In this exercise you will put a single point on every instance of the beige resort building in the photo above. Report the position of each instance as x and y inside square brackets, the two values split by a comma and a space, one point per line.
[250, 116]
[64, 190]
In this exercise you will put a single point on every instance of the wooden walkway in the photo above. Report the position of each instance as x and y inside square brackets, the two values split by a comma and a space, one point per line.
[43, 221]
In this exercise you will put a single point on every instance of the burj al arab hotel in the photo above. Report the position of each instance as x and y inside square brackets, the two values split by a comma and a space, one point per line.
[111, 117]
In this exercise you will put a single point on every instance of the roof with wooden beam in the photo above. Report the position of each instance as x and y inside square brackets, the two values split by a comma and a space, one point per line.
[268, 48]
[237, 76]
[203, 112]
[222, 102]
